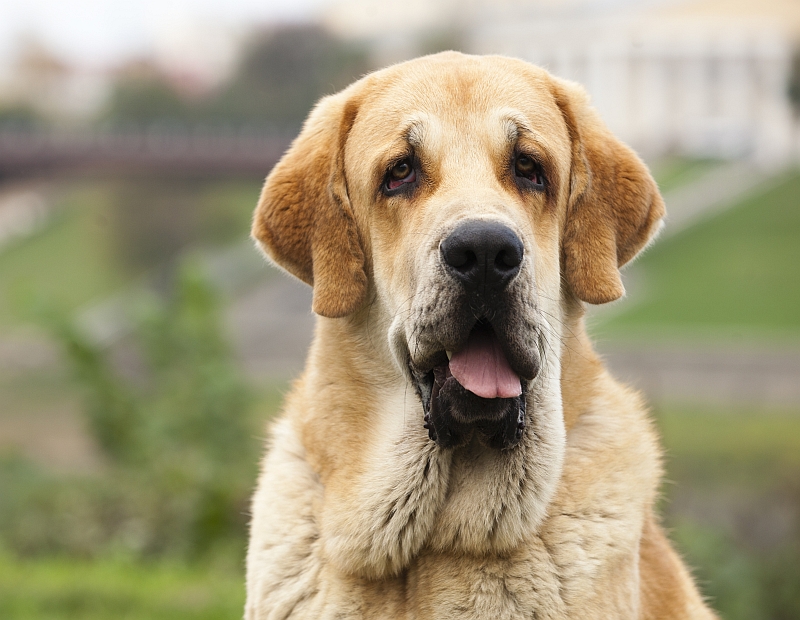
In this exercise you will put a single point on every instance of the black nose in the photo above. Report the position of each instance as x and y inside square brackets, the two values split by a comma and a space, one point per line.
[483, 254]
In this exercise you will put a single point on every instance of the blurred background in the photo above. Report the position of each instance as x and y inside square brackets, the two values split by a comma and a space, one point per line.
[144, 344]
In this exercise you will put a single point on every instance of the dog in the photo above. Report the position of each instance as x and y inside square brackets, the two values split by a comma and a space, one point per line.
[455, 447]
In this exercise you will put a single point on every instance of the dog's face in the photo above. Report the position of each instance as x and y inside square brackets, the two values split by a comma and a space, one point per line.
[461, 203]
[457, 174]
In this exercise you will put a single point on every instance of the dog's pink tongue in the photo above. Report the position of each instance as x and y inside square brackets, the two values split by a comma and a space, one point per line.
[482, 368]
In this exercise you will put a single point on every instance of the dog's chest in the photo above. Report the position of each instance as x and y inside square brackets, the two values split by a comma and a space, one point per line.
[567, 574]
[523, 585]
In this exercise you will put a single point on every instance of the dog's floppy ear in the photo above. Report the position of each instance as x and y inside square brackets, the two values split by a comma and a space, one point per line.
[614, 206]
[304, 221]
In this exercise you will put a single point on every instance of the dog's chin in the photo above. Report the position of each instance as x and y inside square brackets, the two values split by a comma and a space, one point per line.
[454, 416]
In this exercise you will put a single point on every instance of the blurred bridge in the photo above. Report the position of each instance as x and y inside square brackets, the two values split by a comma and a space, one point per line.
[155, 151]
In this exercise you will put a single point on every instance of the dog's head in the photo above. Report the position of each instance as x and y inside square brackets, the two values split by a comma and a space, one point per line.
[466, 201]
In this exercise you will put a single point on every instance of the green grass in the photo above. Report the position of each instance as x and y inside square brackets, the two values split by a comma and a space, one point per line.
[674, 172]
[69, 589]
[738, 270]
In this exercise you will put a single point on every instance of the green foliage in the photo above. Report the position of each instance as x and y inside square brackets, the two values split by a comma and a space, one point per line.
[742, 583]
[178, 433]
[724, 571]
[191, 405]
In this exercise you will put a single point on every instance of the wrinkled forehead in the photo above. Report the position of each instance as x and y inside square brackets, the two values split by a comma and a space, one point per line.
[437, 106]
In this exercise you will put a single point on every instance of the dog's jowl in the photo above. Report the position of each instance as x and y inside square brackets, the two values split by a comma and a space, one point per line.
[454, 447]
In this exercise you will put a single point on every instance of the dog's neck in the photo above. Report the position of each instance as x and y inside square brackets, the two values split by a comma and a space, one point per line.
[581, 368]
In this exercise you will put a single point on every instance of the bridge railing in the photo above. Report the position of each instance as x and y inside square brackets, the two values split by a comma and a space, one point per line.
[156, 149]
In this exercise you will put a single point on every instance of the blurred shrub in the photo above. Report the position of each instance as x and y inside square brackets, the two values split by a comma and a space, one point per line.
[726, 573]
[178, 435]
[742, 583]
[734, 505]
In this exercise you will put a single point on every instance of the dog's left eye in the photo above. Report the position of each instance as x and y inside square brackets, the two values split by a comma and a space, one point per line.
[401, 173]
[526, 167]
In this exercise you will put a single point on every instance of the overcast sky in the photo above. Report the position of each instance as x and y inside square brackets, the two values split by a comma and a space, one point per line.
[100, 32]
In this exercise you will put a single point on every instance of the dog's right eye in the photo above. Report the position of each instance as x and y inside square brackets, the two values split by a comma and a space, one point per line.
[400, 174]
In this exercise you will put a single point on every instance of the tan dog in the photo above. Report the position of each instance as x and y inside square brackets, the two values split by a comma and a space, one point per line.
[454, 448]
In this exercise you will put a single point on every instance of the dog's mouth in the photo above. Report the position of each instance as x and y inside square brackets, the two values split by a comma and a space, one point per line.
[482, 368]
[473, 390]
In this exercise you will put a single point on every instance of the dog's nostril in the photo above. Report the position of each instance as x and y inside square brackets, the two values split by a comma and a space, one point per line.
[508, 259]
[460, 258]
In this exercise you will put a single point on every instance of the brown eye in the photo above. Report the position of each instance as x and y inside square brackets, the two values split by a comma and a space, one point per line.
[526, 167]
[401, 170]
[401, 173]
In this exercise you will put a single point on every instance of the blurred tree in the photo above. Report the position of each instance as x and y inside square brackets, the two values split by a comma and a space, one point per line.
[143, 95]
[20, 116]
[284, 72]
[154, 219]
[794, 81]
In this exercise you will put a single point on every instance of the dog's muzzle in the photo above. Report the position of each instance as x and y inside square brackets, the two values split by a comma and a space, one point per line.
[479, 386]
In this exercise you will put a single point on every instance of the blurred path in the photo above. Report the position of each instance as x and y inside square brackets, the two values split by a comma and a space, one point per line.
[725, 375]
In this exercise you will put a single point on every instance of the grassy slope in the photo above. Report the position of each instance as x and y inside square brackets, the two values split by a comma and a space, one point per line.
[740, 269]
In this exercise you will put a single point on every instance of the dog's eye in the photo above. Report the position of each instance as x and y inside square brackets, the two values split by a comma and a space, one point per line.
[402, 172]
[526, 167]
